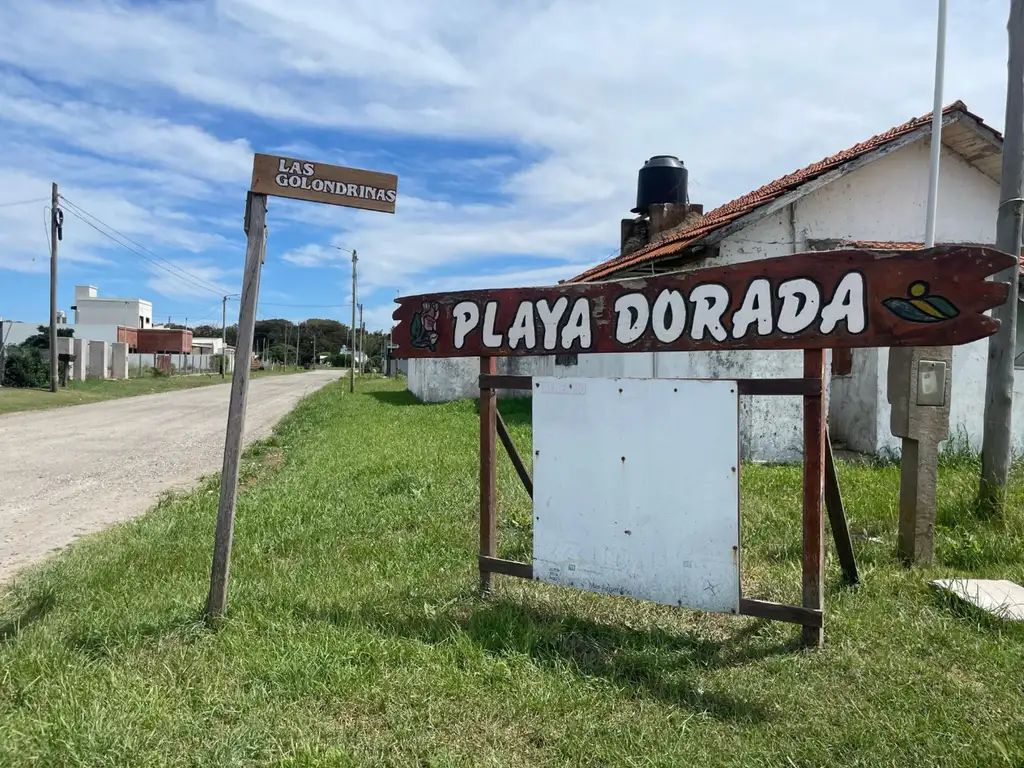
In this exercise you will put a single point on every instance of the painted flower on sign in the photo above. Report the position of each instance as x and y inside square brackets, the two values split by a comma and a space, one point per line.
[423, 328]
[921, 306]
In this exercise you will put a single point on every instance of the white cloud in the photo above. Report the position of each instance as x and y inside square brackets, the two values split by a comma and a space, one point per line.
[125, 135]
[184, 279]
[380, 314]
[584, 90]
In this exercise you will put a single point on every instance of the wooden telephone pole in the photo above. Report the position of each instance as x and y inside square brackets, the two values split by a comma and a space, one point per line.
[223, 333]
[996, 443]
[352, 362]
[362, 342]
[55, 232]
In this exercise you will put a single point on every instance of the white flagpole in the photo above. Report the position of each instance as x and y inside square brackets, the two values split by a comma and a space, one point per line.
[933, 179]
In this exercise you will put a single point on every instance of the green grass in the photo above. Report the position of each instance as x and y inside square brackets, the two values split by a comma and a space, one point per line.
[355, 636]
[80, 392]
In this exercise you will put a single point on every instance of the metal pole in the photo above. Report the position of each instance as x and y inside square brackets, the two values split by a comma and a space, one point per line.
[223, 333]
[918, 468]
[54, 231]
[995, 450]
[218, 598]
[933, 177]
[352, 362]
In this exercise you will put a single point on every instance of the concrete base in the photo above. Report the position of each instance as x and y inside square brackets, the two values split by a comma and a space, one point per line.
[119, 360]
[81, 353]
[98, 359]
[1001, 598]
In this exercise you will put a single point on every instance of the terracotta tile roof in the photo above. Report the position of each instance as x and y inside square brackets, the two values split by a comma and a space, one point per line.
[724, 214]
[883, 245]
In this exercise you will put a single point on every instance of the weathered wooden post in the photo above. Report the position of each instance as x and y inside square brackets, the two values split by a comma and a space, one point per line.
[302, 180]
[255, 225]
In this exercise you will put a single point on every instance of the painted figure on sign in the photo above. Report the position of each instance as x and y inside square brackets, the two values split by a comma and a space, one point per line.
[423, 328]
[920, 307]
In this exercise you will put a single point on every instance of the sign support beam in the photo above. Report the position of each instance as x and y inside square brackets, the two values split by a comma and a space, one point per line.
[814, 489]
[217, 601]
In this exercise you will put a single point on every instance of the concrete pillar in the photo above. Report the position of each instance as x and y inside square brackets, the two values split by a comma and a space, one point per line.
[81, 349]
[65, 345]
[98, 359]
[119, 353]
[920, 380]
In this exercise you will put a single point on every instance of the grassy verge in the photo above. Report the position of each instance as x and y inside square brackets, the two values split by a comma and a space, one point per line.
[81, 392]
[355, 636]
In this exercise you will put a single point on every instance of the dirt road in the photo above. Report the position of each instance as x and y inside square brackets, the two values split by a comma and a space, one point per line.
[67, 472]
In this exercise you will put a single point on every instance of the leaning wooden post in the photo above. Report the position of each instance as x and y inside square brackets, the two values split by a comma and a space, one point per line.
[488, 473]
[256, 217]
[837, 516]
[814, 487]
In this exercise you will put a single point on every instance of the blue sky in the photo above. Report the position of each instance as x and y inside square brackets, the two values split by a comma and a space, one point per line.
[516, 130]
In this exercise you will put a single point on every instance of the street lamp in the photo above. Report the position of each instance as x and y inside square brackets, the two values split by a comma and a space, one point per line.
[351, 367]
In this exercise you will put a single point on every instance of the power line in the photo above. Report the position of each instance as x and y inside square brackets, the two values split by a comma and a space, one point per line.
[24, 202]
[183, 274]
[180, 270]
[133, 242]
[306, 306]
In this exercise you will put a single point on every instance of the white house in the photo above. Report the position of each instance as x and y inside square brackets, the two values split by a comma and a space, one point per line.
[212, 345]
[91, 309]
[870, 195]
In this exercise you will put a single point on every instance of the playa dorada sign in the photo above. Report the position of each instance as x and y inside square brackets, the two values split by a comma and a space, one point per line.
[847, 298]
[322, 183]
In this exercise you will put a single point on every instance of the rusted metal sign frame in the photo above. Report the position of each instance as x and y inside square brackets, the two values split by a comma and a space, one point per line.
[811, 386]
[846, 299]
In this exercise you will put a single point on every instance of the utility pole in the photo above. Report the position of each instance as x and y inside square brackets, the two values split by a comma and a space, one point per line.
[3, 348]
[352, 362]
[298, 338]
[223, 333]
[391, 332]
[995, 448]
[56, 230]
[314, 348]
[362, 342]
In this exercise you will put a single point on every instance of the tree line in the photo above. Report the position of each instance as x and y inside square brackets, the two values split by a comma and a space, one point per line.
[283, 341]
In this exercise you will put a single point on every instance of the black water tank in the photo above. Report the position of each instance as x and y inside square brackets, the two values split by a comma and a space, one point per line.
[661, 180]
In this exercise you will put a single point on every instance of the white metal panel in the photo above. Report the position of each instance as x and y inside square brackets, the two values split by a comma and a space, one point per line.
[636, 488]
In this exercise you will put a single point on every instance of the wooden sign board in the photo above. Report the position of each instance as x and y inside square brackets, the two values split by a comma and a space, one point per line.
[814, 300]
[321, 183]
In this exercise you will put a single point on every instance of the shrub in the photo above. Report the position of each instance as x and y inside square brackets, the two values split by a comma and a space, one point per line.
[25, 367]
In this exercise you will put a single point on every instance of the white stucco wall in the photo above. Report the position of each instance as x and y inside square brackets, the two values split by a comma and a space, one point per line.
[102, 311]
[884, 200]
[15, 332]
[853, 412]
[967, 406]
[454, 378]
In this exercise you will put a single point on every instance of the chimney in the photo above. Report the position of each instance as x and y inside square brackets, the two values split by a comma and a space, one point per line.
[662, 200]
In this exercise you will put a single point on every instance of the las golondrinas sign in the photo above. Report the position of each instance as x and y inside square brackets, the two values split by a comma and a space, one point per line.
[322, 183]
[849, 298]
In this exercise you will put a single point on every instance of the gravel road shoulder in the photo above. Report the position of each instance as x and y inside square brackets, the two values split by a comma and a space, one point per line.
[68, 472]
